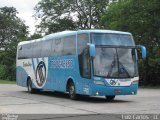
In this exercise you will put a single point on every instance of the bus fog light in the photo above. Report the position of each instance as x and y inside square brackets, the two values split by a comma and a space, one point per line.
[133, 93]
[135, 82]
[98, 82]
[97, 93]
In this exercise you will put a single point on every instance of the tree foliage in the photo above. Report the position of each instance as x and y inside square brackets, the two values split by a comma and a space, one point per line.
[34, 36]
[12, 31]
[140, 17]
[58, 15]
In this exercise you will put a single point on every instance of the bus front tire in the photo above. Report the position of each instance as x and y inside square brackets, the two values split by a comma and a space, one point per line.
[72, 91]
[110, 98]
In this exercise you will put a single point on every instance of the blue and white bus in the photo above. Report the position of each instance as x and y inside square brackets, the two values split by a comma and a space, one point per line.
[84, 62]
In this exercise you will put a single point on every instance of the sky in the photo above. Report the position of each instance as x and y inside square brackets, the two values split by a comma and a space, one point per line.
[25, 9]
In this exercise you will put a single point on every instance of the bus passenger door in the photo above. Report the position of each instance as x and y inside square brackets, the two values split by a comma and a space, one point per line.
[85, 71]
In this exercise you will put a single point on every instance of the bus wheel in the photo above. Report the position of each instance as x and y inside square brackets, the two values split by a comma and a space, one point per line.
[72, 91]
[29, 86]
[30, 89]
[110, 98]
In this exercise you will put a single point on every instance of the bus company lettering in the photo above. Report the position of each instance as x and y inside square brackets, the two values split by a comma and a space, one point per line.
[66, 63]
[27, 64]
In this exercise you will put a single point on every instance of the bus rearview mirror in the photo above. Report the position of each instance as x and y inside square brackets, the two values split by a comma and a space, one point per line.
[92, 50]
[144, 52]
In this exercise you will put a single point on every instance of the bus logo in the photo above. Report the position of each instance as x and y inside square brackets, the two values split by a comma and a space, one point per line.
[113, 82]
[41, 74]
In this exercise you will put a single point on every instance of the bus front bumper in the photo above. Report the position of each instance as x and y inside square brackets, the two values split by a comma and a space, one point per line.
[102, 90]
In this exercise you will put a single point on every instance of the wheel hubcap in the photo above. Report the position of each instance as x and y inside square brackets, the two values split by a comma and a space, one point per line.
[29, 86]
[72, 90]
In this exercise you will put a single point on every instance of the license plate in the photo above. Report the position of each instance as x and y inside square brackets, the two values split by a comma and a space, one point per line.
[118, 91]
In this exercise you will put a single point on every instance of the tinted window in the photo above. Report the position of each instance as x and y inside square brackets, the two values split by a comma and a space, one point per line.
[36, 49]
[56, 47]
[83, 56]
[85, 64]
[46, 48]
[20, 51]
[64, 46]
[83, 39]
[69, 45]
[30, 50]
[112, 39]
[24, 51]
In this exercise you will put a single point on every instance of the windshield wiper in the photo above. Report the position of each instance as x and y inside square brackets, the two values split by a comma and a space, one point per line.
[121, 68]
[113, 64]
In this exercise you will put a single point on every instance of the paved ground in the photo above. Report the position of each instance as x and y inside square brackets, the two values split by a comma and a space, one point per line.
[16, 100]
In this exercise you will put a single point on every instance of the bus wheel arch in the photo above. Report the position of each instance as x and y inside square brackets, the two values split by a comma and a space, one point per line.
[70, 87]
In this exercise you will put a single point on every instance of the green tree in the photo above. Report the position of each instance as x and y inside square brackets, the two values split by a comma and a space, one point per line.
[140, 17]
[60, 25]
[12, 31]
[34, 36]
[58, 15]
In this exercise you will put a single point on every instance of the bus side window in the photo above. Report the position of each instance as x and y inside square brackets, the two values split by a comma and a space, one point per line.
[83, 39]
[46, 48]
[36, 49]
[85, 66]
[57, 47]
[20, 52]
[83, 56]
[69, 45]
[27, 51]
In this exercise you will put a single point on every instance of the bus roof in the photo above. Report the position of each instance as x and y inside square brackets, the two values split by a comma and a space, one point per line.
[60, 34]
[102, 31]
[26, 42]
[68, 33]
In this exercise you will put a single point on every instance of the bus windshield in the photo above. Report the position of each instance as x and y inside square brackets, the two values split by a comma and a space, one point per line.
[112, 61]
[115, 62]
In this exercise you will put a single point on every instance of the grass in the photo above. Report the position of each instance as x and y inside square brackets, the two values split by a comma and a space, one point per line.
[150, 86]
[7, 82]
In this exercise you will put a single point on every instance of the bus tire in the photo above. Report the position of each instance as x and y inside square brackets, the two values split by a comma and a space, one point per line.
[72, 91]
[29, 87]
[110, 98]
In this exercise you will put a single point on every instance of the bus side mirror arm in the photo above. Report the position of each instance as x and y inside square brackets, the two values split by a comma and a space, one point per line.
[144, 51]
[92, 50]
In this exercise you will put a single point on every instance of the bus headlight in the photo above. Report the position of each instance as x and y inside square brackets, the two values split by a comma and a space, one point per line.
[98, 82]
[135, 82]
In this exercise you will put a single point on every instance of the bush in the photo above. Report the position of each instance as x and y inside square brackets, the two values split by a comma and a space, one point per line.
[3, 72]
